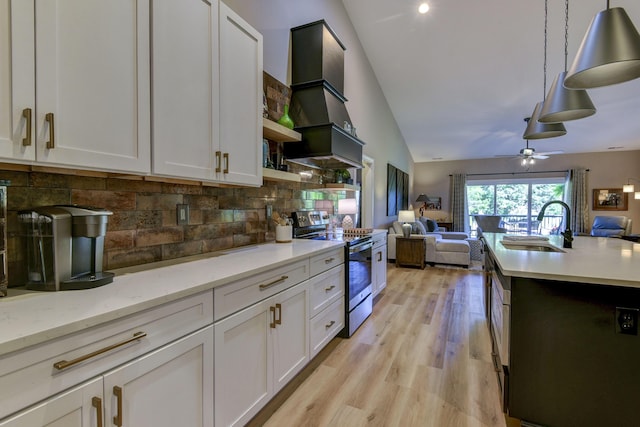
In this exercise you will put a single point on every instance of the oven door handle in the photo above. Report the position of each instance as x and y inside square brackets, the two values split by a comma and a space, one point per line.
[360, 247]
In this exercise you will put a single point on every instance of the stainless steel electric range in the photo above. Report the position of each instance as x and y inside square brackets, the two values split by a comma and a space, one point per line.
[358, 299]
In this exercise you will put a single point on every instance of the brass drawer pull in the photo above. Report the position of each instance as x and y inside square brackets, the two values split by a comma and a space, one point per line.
[279, 318]
[275, 282]
[225, 157]
[96, 402]
[330, 324]
[26, 113]
[330, 288]
[272, 311]
[329, 261]
[52, 133]
[117, 392]
[218, 161]
[63, 364]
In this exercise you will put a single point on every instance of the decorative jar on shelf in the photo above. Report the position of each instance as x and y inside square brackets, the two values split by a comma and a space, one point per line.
[285, 120]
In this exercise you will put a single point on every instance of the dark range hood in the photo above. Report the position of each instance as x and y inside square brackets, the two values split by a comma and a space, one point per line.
[317, 101]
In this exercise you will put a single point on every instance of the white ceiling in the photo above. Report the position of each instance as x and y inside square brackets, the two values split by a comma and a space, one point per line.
[461, 79]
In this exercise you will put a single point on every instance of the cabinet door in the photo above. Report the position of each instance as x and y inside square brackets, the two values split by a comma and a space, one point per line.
[379, 269]
[92, 80]
[240, 100]
[17, 86]
[243, 373]
[291, 334]
[172, 386]
[185, 87]
[79, 407]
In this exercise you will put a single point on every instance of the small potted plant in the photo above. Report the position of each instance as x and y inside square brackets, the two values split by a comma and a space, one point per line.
[343, 176]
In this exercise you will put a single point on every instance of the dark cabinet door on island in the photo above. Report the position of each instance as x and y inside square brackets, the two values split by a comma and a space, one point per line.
[570, 363]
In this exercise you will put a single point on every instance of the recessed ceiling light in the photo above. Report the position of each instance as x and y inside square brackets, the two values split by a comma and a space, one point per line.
[423, 8]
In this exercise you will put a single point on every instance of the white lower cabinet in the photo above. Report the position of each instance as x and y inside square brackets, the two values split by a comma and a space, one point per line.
[167, 387]
[81, 406]
[379, 263]
[152, 368]
[326, 307]
[172, 386]
[257, 351]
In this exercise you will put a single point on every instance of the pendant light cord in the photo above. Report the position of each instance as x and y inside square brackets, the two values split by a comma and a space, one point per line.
[566, 33]
[544, 80]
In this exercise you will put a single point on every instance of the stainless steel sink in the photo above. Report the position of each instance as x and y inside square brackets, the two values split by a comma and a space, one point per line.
[531, 246]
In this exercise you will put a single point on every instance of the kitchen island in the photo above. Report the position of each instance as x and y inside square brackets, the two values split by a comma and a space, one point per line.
[564, 328]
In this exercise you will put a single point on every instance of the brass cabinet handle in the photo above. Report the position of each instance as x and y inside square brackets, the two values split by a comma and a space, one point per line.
[225, 156]
[330, 324]
[63, 364]
[330, 288]
[275, 282]
[26, 113]
[272, 310]
[218, 161]
[96, 402]
[117, 392]
[52, 134]
[329, 261]
[279, 318]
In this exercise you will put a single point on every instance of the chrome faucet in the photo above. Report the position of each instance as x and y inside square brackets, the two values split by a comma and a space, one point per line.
[568, 236]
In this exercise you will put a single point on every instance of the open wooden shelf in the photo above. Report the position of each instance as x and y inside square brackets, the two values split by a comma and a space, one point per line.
[276, 132]
[275, 175]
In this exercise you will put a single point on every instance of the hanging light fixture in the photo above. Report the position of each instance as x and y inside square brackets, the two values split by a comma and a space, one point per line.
[564, 104]
[535, 129]
[609, 52]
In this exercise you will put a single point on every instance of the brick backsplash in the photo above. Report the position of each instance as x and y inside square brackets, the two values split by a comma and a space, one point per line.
[143, 226]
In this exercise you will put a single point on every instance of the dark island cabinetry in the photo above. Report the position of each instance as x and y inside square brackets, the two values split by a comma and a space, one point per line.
[574, 353]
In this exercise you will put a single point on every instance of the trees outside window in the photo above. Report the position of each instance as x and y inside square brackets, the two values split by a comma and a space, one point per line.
[518, 201]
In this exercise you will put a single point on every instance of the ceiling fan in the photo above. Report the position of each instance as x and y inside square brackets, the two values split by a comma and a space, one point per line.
[529, 155]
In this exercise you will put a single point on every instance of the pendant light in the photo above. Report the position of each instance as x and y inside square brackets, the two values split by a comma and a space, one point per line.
[535, 129]
[609, 52]
[564, 104]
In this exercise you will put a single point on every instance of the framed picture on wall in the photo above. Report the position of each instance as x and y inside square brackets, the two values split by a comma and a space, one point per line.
[397, 190]
[610, 199]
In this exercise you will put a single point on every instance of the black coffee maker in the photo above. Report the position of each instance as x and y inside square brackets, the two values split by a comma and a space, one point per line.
[64, 247]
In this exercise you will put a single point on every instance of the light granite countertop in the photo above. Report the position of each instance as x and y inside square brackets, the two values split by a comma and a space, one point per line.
[28, 318]
[598, 260]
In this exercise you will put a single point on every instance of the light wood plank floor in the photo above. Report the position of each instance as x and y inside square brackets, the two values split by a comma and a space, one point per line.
[422, 359]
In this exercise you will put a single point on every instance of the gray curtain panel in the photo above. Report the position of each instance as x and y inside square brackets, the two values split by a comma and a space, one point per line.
[459, 209]
[577, 200]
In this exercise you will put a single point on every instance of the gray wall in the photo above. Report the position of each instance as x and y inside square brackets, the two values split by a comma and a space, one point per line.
[606, 170]
[366, 104]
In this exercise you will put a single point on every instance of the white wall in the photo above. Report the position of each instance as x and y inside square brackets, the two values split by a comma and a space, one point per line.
[366, 104]
[606, 170]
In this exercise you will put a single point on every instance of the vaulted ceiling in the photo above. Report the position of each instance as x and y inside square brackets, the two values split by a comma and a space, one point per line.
[461, 79]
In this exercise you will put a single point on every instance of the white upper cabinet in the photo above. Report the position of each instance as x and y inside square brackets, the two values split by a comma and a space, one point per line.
[240, 99]
[77, 76]
[207, 91]
[185, 88]
[92, 84]
[17, 76]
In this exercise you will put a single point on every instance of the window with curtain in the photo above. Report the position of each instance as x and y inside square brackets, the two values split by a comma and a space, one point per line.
[518, 202]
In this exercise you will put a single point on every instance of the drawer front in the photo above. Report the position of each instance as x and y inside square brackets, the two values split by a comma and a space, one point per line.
[326, 261]
[326, 325]
[325, 288]
[240, 294]
[379, 239]
[29, 375]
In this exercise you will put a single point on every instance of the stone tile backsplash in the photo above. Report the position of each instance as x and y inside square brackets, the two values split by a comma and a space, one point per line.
[143, 226]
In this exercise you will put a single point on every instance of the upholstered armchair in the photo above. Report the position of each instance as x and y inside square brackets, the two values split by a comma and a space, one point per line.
[611, 226]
